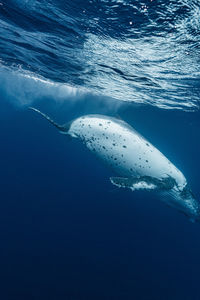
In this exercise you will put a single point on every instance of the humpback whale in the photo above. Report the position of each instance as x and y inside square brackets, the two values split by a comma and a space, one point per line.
[136, 163]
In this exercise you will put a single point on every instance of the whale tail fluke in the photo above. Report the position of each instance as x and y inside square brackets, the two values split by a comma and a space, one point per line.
[61, 128]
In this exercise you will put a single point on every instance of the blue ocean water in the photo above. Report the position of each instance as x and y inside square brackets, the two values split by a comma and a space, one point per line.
[66, 232]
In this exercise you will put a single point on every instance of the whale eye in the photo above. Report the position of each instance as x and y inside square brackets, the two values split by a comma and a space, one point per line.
[124, 146]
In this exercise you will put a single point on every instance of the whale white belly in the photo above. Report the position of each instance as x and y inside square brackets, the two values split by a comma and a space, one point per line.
[123, 149]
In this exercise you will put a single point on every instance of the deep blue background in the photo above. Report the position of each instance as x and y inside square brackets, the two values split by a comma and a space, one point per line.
[66, 232]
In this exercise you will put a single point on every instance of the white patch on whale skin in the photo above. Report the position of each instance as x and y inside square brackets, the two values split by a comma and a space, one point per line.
[143, 185]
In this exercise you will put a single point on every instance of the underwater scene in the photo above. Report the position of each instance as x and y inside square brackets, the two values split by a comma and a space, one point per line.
[99, 152]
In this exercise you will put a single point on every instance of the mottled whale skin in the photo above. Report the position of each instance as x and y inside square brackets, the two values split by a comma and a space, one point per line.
[135, 161]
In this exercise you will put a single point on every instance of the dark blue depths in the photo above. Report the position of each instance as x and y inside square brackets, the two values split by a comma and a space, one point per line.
[65, 231]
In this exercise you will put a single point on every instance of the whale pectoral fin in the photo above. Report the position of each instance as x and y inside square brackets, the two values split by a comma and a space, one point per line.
[134, 183]
[144, 183]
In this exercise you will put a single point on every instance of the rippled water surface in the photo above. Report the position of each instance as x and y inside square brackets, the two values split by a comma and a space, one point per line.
[139, 51]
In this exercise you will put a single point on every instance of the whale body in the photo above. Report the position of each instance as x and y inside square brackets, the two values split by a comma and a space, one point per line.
[136, 163]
